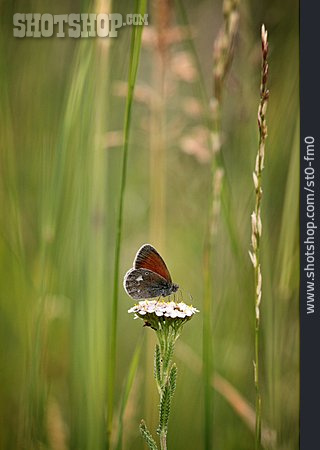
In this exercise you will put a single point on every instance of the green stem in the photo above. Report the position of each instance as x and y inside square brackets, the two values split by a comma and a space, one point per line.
[163, 440]
[167, 340]
[257, 225]
[257, 328]
[134, 61]
[257, 387]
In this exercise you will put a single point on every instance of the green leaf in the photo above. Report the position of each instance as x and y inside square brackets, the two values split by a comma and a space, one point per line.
[168, 356]
[133, 68]
[157, 365]
[164, 408]
[147, 436]
[173, 379]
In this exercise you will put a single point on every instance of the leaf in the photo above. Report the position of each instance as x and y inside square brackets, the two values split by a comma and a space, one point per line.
[165, 404]
[173, 379]
[147, 436]
[157, 365]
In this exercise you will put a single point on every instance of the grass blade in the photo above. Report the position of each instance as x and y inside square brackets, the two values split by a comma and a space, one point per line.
[133, 68]
[130, 379]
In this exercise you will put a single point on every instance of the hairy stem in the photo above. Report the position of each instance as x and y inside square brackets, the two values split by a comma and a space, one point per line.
[256, 226]
[163, 440]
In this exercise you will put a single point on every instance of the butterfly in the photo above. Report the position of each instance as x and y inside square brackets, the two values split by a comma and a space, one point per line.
[149, 276]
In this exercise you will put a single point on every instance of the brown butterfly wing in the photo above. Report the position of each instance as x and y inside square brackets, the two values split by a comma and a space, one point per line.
[148, 258]
[143, 283]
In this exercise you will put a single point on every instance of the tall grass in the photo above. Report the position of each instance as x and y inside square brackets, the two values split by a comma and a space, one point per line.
[222, 56]
[133, 68]
[256, 226]
[125, 396]
[81, 245]
[158, 139]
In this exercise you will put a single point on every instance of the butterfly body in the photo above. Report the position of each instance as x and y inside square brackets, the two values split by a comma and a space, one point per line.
[149, 276]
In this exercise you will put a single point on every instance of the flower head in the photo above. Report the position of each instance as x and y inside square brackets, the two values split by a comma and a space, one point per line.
[159, 314]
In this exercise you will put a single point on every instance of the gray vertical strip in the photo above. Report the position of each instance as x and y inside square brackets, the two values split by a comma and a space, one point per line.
[309, 221]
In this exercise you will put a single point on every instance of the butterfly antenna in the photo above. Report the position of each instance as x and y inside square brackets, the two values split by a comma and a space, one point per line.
[181, 294]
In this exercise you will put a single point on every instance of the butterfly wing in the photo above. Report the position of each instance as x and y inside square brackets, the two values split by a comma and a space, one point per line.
[143, 283]
[148, 258]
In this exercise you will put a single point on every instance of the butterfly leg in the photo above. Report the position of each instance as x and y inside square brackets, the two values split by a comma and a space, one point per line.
[158, 300]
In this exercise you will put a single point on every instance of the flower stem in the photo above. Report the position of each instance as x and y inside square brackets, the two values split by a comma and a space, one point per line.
[167, 338]
[163, 440]
[168, 324]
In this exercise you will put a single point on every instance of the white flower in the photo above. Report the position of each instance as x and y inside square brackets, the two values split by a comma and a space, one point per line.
[151, 308]
[157, 308]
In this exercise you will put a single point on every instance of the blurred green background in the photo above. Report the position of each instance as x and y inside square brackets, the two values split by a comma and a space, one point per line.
[61, 128]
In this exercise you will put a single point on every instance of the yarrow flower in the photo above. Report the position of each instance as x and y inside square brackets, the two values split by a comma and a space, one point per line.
[167, 319]
[157, 313]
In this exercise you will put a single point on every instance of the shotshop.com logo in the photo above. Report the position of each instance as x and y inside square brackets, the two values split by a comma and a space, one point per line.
[73, 25]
